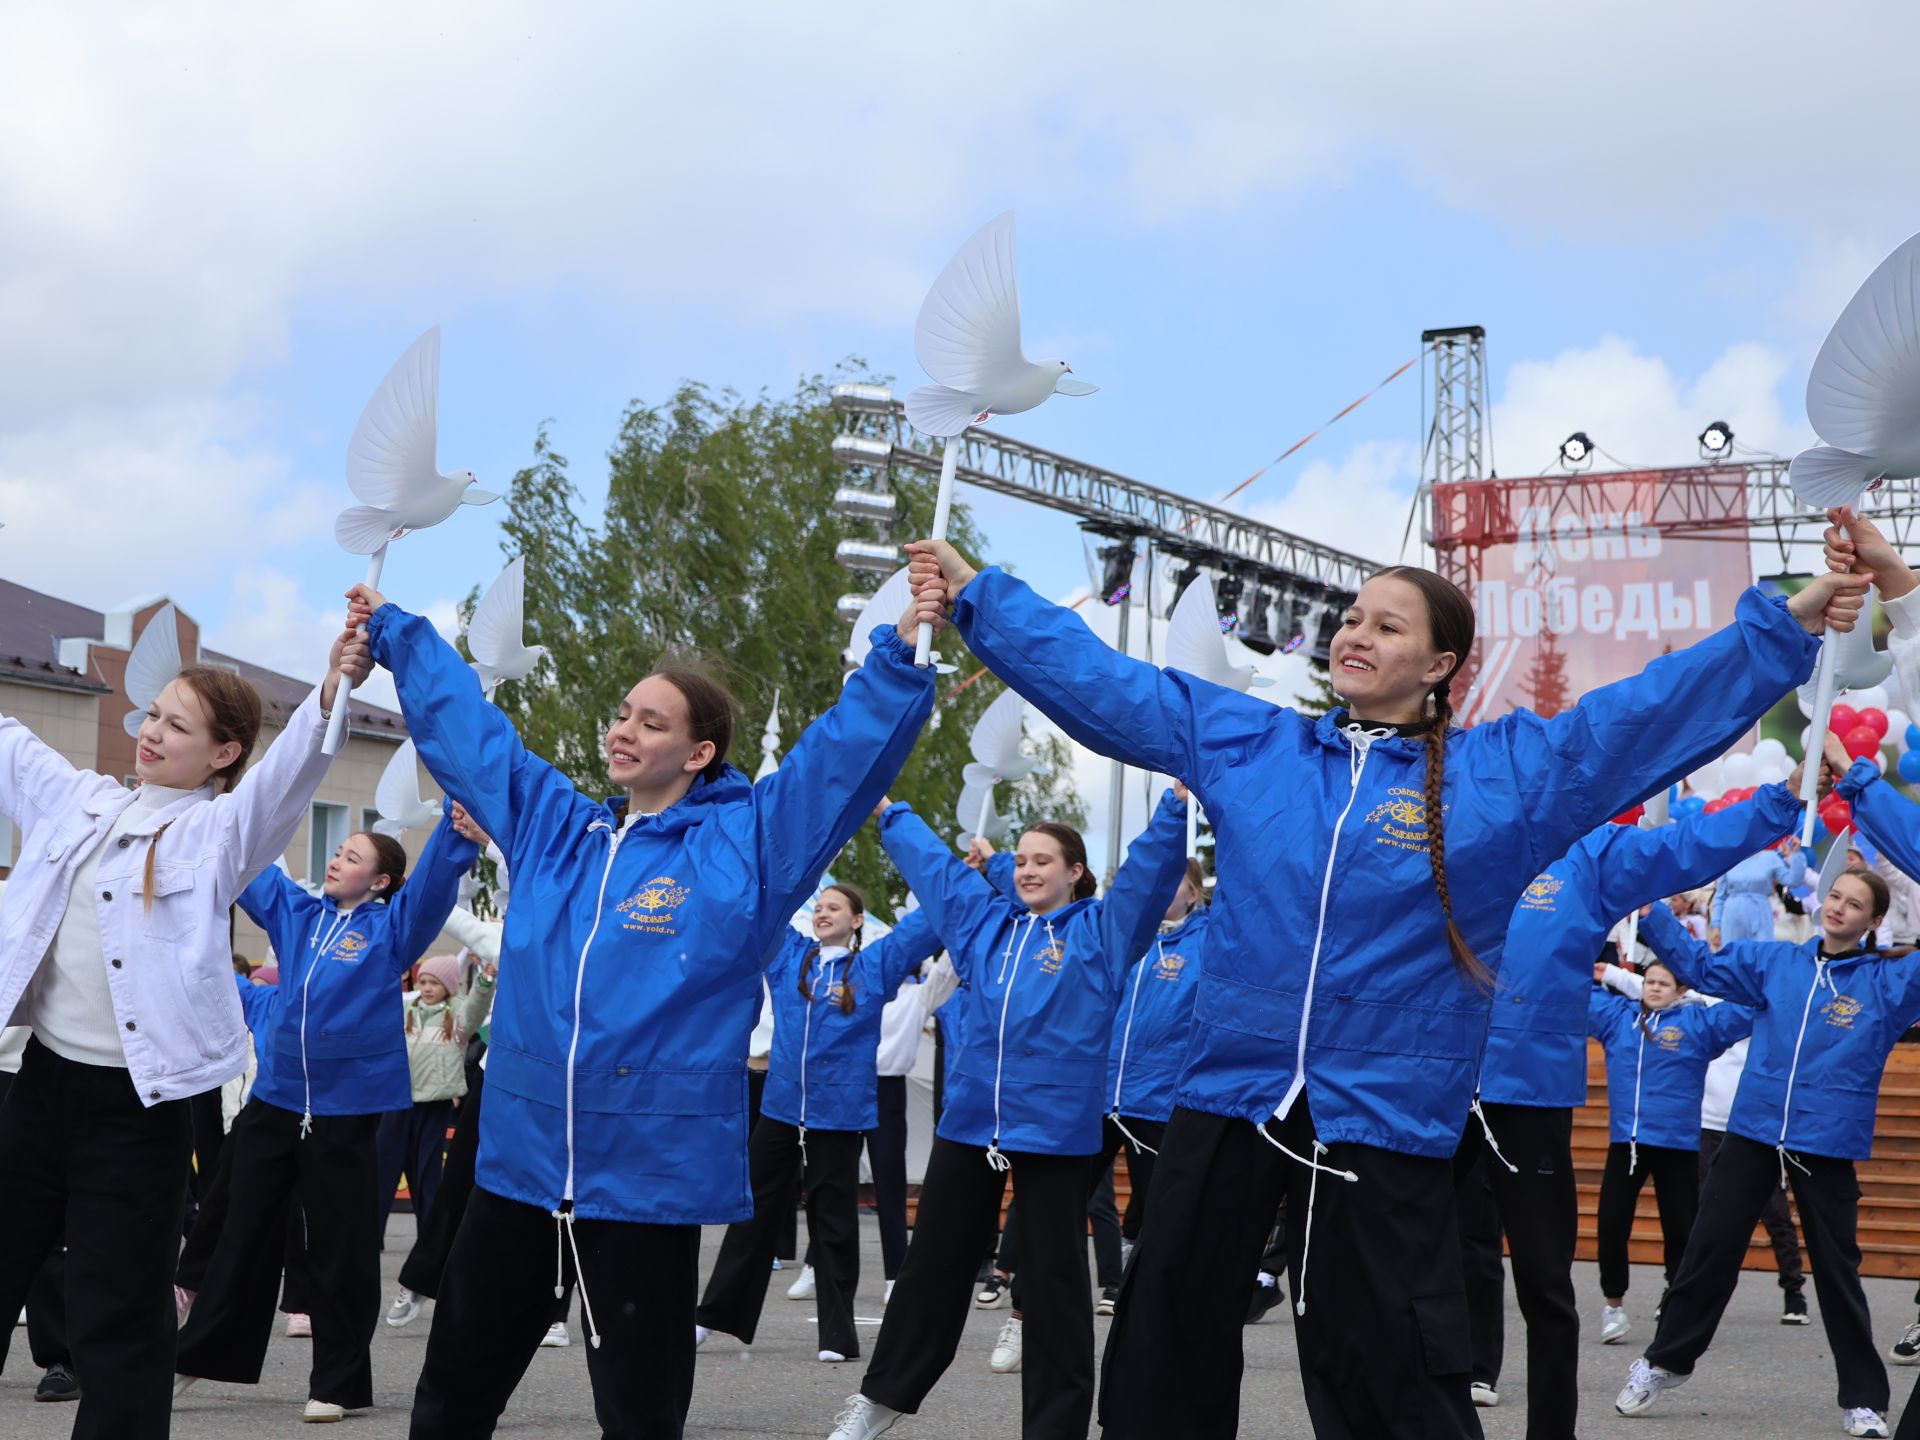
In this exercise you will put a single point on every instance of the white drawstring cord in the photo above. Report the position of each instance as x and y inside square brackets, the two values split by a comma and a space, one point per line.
[806, 1038]
[995, 1159]
[1487, 1131]
[1639, 1064]
[1786, 1102]
[306, 1079]
[563, 1223]
[1313, 1195]
[1785, 1156]
[1126, 1040]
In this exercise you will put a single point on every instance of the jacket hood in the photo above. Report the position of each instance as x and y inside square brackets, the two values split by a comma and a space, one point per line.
[729, 787]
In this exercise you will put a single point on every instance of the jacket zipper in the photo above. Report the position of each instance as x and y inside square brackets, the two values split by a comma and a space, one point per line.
[579, 985]
[1793, 1071]
[994, 1158]
[340, 922]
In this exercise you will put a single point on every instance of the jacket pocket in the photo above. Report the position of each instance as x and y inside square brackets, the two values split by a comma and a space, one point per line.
[1441, 1321]
[166, 909]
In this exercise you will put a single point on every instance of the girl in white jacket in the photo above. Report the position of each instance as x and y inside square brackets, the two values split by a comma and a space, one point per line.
[114, 949]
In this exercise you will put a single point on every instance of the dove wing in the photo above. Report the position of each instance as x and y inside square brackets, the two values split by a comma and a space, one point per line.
[155, 659]
[391, 456]
[1830, 869]
[493, 634]
[968, 332]
[1194, 643]
[1824, 476]
[1863, 393]
[398, 793]
[997, 733]
[885, 606]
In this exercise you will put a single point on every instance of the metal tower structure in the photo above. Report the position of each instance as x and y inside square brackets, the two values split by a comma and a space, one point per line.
[1456, 442]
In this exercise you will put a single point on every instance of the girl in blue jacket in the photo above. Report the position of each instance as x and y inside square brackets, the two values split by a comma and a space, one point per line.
[1533, 1073]
[819, 1104]
[1044, 975]
[1346, 989]
[333, 1057]
[616, 1117]
[1657, 1053]
[1827, 1013]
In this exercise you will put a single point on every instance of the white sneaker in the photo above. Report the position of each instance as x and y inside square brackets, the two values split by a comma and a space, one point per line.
[862, 1419]
[700, 1334]
[1614, 1324]
[182, 1306]
[405, 1307]
[299, 1327]
[1862, 1421]
[1644, 1383]
[556, 1337]
[321, 1412]
[887, 1294]
[832, 1357]
[1006, 1350]
[992, 1293]
[1484, 1395]
[802, 1289]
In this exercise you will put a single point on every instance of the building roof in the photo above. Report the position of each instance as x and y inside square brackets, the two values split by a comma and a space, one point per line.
[33, 624]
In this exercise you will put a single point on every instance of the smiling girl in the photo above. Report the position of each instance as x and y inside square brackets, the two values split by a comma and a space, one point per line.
[333, 1059]
[114, 949]
[1345, 996]
[615, 1121]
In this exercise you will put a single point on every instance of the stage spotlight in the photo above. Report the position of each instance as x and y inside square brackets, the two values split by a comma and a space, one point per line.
[1226, 601]
[1183, 577]
[1116, 571]
[1716, 441]
[1576, 450]
[1256, 634]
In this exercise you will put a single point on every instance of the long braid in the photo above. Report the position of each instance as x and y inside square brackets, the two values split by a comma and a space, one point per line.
[1465, 962]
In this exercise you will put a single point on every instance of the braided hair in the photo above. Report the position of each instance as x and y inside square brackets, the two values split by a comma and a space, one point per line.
[1450, 625]
[858, 904]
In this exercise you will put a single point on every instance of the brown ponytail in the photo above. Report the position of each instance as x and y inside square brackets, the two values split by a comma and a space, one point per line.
[233, 713]
[1450, 625]
[857, 902]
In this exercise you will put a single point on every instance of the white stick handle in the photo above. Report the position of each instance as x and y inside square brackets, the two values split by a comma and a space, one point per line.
[1193, 825]
[986, 805]
[1817, 735]
[942, 511]
[337, 722]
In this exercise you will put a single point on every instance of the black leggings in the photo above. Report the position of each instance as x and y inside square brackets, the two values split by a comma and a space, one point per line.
[1676, 1185]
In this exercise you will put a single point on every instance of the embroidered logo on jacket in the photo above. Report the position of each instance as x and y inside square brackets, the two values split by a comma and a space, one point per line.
[1052, 957]
[1841, 1011]
[1168, 967]
[1669, 1037]
[1543, 894]
[1402, 819]
[348, 949]
[650, 909]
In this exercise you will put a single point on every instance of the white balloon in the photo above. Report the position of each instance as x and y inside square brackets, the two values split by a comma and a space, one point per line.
[1770, 750]
[1739, 771]
[1897, 722]
[1806, 739]
[1880, 759]
[1874, 697]
[1805, 700]
[1707, 782]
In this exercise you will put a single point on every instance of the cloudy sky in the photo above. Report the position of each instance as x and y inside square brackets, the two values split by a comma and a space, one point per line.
[221, 225]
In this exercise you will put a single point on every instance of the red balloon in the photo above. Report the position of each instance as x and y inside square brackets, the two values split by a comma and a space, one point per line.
[1875, 720]
[1842, 719]
[1714, 807]
[1836, 815]
[1630, 817]
[1860, 742]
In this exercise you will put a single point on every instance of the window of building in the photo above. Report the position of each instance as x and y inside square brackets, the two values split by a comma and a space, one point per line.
[368, 817]
[325, 835]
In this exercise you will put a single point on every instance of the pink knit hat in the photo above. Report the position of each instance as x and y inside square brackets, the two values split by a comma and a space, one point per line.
[445, 969]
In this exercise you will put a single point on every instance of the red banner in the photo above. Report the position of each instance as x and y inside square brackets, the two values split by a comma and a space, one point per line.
[1580, 580]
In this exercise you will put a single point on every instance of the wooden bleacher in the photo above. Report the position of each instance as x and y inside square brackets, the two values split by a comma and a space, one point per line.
[1889, 1182]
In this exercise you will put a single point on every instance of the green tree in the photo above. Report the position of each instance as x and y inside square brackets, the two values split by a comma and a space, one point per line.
[717, 545]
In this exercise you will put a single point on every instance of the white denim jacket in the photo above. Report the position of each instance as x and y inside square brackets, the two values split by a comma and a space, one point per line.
[170, 965]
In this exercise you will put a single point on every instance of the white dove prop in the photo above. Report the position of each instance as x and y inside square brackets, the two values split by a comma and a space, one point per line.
[997, 756]
[392, 466]
[397, 797]
[967, 338]
[1832, 868]
[495, 634]
[884, 607]
[975, 808]
[1195, 644]
[1863, 400]
[151, 666]
[770, 741]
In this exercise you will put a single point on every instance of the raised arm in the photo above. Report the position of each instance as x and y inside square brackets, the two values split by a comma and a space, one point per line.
[274, 901]
[475, 1006]
[419, 911]
[1631, 867]
[804, 812]
[480, 936]
[1625, 741]
[259, 816]
[468, 745]
[959, 905]
[1884, 815]
[1144, 885]
[256, 1004]
[36, 779]
[1618, 977]
[1732, 974]
[1725, 1026]
[1118, 706]
[1853, 541]
[902, 950]
[1605, 1011]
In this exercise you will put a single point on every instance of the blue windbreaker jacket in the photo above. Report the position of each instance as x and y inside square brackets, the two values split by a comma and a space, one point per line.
[1155, 1018]
[1327, 962]
[1041, 990]
[1657, 1071]
[632, 953]
[334, 1041]
[821, 1074]
[1743, 900]
[1537, 1040]
[1822, 1030]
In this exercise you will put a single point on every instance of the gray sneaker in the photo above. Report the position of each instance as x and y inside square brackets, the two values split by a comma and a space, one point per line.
[1645, 1381]
[862, 1419]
